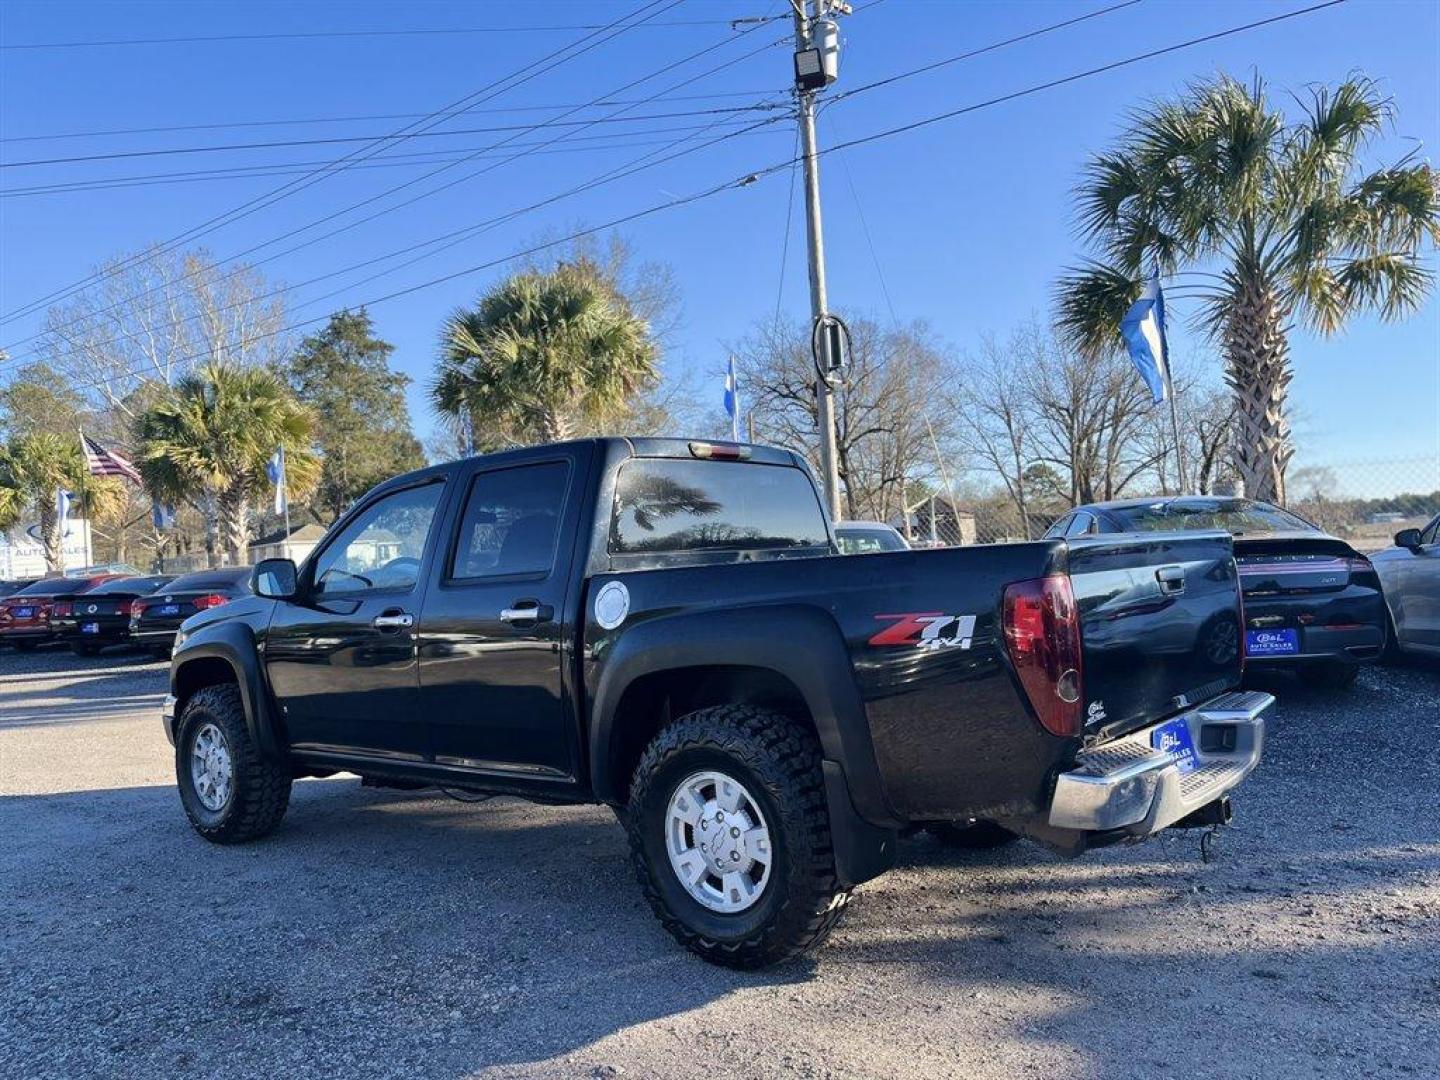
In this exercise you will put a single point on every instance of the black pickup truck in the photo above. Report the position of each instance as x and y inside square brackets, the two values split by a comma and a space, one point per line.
[667, 627]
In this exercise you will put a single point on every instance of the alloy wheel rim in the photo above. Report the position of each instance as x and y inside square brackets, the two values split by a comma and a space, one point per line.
[718, 842]
[211, 768]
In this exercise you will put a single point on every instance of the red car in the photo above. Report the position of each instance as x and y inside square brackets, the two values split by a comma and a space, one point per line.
[25, 615]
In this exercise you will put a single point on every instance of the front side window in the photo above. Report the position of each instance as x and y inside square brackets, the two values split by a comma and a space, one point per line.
[381, 548]
[512, 521]
[1431, 533]
[670, 505]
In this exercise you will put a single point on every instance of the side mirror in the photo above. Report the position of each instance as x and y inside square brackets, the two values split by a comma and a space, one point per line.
[276, 579]
[1408, 538]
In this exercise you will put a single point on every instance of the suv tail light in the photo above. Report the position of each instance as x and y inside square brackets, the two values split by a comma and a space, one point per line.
[213, 600]
[1042, 635]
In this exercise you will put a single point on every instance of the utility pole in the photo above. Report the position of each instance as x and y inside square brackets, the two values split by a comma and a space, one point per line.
[813, 71]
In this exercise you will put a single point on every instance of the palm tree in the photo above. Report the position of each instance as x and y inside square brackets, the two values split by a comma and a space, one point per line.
[1282, 214]
[33, 469]
[542, 355]
[208, 441]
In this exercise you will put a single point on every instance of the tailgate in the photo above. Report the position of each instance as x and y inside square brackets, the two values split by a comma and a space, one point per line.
[1159, 624]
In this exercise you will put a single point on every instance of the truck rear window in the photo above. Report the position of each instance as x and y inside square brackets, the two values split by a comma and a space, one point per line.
[666, 505]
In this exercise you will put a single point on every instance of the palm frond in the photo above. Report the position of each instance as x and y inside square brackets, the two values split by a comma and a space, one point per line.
[1090, 302]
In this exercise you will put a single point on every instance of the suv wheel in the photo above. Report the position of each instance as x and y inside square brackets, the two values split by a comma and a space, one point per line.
[971, 835]
[230, 793]
[730, 836]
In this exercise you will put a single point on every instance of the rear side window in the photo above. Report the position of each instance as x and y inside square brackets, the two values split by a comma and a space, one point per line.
[666, 505]
[512, 521]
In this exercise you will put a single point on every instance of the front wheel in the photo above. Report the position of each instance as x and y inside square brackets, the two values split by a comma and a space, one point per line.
[730, 836]
[231, 793]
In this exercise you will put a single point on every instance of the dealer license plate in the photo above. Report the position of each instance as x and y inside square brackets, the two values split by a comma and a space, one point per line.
[168, 609]
[90, 628]
[1272, 642]
[23, 612]
[1173, 738]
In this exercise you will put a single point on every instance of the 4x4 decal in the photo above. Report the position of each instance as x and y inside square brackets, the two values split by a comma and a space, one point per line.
[927, 630]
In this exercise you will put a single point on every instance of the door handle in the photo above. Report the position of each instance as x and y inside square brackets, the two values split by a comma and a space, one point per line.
[527, 611]
[393, 620]
[1172, 580]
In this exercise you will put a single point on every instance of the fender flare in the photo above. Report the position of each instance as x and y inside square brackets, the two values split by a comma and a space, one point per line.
[234, 643]
[801, 643]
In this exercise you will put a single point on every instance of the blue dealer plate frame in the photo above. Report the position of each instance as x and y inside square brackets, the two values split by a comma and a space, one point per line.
[1260, 643]
[1173, 738]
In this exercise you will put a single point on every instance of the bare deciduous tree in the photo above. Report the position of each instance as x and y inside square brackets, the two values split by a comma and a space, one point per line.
[890, 399]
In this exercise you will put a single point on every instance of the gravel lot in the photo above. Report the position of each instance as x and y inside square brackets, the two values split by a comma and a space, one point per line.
[382, 933]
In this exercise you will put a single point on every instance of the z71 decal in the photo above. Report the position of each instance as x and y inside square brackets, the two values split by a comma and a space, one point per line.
[927, 630]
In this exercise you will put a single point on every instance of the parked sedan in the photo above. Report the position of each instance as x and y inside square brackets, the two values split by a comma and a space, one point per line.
[155, 619]
[1312, 602]
[101, 616]
[865, 537]
[25, 615]
[1410, 575]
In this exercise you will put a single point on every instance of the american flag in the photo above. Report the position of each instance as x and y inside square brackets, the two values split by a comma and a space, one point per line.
[102, 462]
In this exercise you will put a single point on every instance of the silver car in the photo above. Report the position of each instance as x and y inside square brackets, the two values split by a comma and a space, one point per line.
[1410, 576]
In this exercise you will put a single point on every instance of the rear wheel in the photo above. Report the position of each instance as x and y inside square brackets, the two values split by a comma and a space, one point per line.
[730, 836]
[971, 835]
[231, 793]
[1330, 676]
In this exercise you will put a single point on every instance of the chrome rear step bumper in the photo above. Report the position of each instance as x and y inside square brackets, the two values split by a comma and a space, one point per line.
[1128, 784]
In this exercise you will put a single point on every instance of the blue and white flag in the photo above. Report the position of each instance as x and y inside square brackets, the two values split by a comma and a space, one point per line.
[732, 400]
[1143, 329]
[162, 516]
[63, 501]
[275, 470]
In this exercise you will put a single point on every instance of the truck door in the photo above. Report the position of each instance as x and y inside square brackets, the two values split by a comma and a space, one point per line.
[496, 626]
[342, 659]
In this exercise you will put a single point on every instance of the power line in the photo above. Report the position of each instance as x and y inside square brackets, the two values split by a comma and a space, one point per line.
[493, 89]
[789, 218]
[311, 35]
[426, 194]
[230, 147]
[351, 119]
[981, 51]
[863, 140]
[613, 140]
[614, 174]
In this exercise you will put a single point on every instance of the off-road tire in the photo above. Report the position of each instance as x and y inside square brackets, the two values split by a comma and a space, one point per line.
[81, 648]
[778, 761]
[259, 789]
[1334, 675]
[971, 835]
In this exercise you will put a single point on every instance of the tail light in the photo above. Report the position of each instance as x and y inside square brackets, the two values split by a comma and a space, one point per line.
[125, 607]
[62, 610]
[1042, 635]
[203, 602]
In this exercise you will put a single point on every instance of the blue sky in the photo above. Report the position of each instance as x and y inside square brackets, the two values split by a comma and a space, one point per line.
[970, 219]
